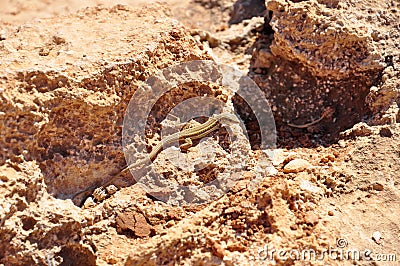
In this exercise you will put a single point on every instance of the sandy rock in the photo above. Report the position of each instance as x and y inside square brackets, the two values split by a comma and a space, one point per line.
[65, 83]
[324, 51]
[246, 9]
[89, 203]
[359, 130]
[279, 156]
[69, 103]
[311, 218]
[111, 189]
[308, 186]
[100, 194]
[64, 86]
[296, 165]
[238, 34]
[135, 222]
[324, 56]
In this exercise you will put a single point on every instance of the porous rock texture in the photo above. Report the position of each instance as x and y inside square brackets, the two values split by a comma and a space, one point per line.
[323, 38]
[316, 55]
[65, 83]
[65, 93]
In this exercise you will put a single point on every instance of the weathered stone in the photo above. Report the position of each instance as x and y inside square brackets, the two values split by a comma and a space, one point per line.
[296, 165]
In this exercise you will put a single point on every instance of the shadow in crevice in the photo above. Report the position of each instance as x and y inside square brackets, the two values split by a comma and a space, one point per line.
[246, 9]
[299, 97]
[76, 255]
[78, 147]
[244, 110]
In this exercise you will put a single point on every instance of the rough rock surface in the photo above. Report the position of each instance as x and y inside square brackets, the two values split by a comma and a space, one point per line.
[317, 55]
[297, 165]
[323, 38]
[65, 94]
[65, 82]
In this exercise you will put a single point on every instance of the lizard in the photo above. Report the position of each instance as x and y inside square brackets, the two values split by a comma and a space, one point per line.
[326, 113]
[188, 135]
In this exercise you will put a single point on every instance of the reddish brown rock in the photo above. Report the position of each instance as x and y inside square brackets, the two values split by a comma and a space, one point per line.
[133, 221]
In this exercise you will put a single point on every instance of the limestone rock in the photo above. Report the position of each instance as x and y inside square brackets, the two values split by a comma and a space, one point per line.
[296, 165]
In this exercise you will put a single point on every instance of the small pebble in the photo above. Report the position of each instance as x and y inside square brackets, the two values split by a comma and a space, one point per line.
[296, 165]
[385, 132]
[308, 186]
[111, 189]
[99, 194]
[342, 143]
[89, 203]
[377, 186]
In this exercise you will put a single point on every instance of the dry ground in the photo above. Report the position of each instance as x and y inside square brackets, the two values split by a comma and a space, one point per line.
[67, 73]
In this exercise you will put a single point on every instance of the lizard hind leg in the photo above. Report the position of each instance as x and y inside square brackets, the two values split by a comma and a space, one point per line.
[188, 143]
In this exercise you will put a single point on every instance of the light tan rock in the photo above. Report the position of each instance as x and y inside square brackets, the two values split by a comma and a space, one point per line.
[296, 165]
